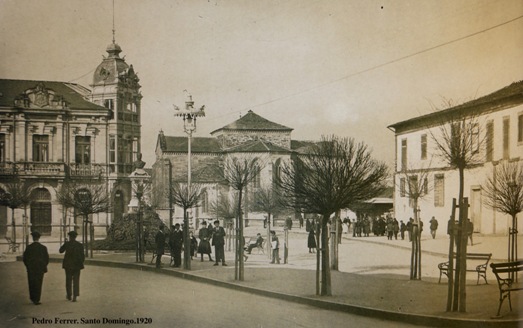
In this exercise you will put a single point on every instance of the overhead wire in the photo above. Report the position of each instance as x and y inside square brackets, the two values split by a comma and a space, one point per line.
[393, 61]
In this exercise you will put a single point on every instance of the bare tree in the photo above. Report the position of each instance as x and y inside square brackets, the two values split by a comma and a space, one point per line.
[458, 144]
[267, 201]
[186, 197]
[16, 195]
[414, 184]
[334, 175]
[222, 207]
[504, 193]
[239, 172]
[85, 198]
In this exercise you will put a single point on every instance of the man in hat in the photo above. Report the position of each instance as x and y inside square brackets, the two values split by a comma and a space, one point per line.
[218, 241]
[36, 259]
[73, 262]
[159, 239]
[175, 244]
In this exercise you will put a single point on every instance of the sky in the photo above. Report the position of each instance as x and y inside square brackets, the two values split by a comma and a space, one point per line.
[349, 68]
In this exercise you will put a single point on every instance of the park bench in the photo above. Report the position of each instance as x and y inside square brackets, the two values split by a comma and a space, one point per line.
[481, 268]
[504, 273]
[13, 246]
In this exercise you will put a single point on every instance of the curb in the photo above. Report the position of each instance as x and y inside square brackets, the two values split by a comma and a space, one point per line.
[416, 319]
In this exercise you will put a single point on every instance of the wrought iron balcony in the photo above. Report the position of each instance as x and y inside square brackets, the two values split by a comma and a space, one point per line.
[87, 170]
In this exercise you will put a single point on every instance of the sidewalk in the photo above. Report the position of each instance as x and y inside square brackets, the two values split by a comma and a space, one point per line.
[387, 296]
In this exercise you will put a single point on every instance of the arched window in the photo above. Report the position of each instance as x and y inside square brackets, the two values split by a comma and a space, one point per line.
[41, 214]
[205, 201]
[118, 202]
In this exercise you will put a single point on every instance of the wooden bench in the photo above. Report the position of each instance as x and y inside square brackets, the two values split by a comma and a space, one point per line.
[480, 269]
[506, 284]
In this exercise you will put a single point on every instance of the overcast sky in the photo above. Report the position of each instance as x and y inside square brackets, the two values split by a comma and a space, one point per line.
[343, 67]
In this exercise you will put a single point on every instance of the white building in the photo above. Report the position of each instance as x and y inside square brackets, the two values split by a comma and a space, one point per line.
[498, 136]
[51, 132]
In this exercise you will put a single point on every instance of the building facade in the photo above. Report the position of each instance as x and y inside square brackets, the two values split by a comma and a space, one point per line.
[496, 136]
[250, 136]
[54, 132]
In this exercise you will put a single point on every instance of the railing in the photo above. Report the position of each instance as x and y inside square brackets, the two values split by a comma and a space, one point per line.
[7, 168]
[87, 170]
[41, 168]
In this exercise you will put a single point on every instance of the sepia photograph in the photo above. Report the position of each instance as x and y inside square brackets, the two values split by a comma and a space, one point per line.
[270, 163]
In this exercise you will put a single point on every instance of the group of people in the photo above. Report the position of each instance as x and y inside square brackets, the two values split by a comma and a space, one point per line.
[174, 238]
[36, 259]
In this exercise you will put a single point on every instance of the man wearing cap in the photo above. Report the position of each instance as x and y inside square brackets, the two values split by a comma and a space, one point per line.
[36, 259]
[73, 262]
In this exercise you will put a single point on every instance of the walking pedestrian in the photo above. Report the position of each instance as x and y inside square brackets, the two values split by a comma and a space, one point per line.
[275, 246]
[218, 241]
[36, 259]
[205, 246]
[176, 244]
[403, 228]
[396, 228]
[194, 244]
[409, 228]
[433, 227]
[159, 240]
[72, 264]
[311, 242]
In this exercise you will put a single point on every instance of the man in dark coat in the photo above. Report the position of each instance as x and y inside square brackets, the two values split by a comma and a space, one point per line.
[159, 240]
[36, 259]
[205, 246]
[175, 244]
[218, 241]
[73, 262]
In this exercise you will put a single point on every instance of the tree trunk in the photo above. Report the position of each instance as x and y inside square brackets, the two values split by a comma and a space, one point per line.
[317, 228]
[240, 236]
[268, 242]
[326, 289]
[186, 241]
[450, 272]
[463, 251]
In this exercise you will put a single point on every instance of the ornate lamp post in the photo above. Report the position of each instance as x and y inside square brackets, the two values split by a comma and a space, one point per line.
[189, 115]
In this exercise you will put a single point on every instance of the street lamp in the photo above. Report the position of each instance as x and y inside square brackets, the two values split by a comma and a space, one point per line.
[189, 115]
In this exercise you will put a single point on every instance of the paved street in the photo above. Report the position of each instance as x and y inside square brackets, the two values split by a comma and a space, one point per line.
[168, 301]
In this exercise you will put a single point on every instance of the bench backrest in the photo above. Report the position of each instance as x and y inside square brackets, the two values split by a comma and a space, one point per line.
[505, 267]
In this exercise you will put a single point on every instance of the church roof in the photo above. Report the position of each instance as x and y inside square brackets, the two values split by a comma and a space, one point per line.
[252, 121]
[179, 144]
[74, 95]
[257, 146]
[509, 96]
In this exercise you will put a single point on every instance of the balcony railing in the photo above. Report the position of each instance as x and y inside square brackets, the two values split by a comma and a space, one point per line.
[87, 170]
[41, 168]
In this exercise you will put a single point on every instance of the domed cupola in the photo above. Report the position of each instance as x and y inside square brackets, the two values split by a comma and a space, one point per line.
[111, 67]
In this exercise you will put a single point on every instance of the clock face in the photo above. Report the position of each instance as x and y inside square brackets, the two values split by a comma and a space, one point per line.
[104, 73]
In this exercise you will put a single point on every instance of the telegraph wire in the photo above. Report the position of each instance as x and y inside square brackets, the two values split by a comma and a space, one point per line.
[393, 61]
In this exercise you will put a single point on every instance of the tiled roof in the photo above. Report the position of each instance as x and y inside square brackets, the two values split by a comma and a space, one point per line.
[257, 146]
[302, 147]
[252, 121]
[198, 144]
[73, 94]
[508, 96]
